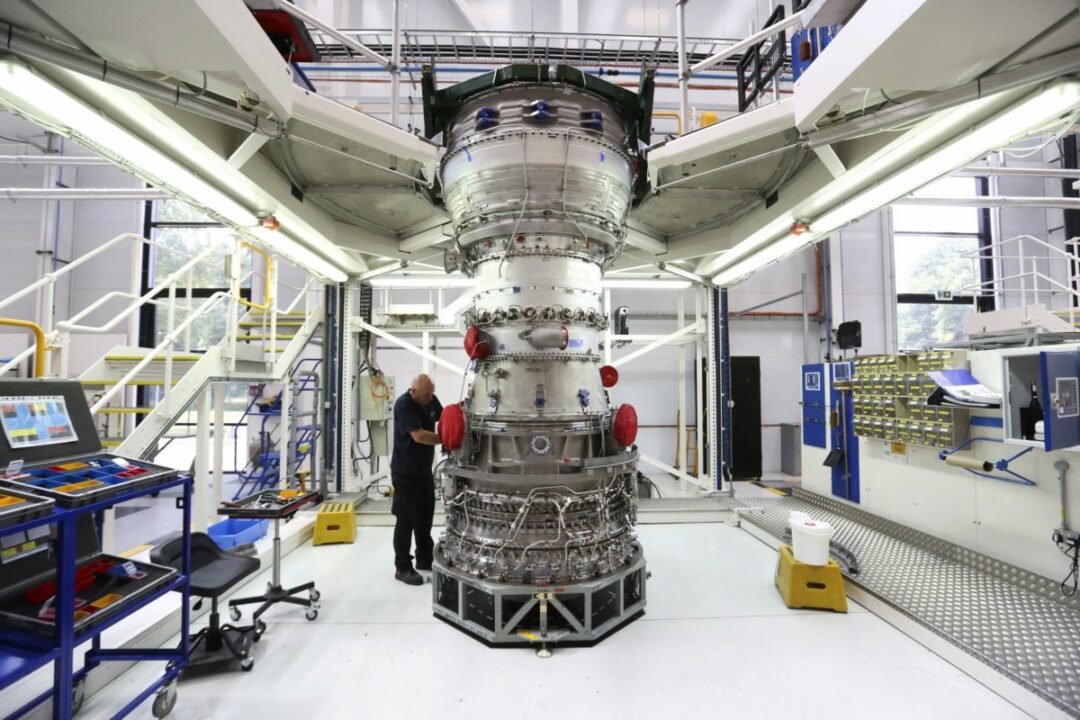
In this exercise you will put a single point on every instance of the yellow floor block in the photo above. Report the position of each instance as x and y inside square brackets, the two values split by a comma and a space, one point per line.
[810, 586]
[335, 523]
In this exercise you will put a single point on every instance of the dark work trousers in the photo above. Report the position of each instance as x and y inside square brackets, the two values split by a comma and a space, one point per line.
[414, 508]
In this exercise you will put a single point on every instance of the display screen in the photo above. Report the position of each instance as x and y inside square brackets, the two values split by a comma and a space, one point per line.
[33, 421]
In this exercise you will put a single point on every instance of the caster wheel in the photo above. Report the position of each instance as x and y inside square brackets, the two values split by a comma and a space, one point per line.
[234, 613]
[247, 663]
[78, 695]
[165, 701]
[315, 595]
[260, 628]
[312, 613]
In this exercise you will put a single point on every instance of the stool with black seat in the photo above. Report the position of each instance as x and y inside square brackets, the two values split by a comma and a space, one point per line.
[213, 572]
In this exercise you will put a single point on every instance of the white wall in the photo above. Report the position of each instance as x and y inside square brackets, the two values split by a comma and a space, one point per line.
[65, 230]
[1004, 520]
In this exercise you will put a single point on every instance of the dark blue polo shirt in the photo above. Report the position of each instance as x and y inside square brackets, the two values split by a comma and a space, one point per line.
[410, 457]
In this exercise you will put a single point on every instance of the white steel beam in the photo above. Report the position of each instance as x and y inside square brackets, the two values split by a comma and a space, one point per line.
[637, 237]
[334, 117]
[201, 512]
[426, 238]
[660, 342]
[649, 460]
[333, 32]
[795, 20]
[358, 323]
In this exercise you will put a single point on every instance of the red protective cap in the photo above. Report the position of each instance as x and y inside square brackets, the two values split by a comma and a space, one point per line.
[476, 345]
[608, 375]
[625, 426]
[452, 427]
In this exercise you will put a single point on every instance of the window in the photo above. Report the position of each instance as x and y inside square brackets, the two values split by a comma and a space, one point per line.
[185, 230]
[938, 271]
[180, 227]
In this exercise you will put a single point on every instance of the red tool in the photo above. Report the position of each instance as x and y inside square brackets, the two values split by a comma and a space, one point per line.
[84, 578]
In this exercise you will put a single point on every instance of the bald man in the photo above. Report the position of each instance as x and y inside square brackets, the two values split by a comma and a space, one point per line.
[415, 415]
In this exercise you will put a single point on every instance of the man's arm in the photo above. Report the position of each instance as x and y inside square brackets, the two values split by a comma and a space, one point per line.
[425, 437]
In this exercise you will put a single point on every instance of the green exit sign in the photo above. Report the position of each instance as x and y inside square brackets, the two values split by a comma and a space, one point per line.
[941, 295]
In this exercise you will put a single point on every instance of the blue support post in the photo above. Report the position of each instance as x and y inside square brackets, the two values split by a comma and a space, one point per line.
[64, 665]
[724, 354]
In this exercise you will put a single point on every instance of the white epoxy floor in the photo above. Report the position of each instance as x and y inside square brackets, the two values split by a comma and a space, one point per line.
[716, 642]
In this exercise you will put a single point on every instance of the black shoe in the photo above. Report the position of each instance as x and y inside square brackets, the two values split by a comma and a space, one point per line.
[409, 577]
[423, 568]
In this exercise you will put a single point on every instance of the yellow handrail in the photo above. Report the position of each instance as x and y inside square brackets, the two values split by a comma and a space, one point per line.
[266, 279]
[671, 114]
[39, 340]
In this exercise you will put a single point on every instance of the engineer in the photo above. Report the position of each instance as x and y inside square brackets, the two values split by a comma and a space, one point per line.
[415, 415]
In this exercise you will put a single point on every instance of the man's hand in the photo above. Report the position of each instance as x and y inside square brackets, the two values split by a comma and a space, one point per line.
[425, 437]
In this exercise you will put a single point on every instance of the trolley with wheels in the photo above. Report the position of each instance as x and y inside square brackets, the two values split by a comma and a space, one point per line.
[52, 605]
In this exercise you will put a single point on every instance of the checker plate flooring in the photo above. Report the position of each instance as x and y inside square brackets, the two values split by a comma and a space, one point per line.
[1013, 620]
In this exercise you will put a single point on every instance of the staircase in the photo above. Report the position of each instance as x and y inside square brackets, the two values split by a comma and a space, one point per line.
[190, 374]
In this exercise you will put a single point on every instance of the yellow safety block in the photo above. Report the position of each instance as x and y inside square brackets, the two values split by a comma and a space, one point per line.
[810, 586]
[335, 523]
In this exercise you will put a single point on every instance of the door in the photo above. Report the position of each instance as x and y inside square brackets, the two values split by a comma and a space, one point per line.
[1061, 399]
[746, 418]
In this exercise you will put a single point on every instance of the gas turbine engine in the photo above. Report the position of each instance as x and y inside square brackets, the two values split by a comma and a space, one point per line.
[538, 176]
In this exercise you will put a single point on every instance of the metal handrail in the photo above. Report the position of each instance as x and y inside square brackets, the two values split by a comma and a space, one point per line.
[57, 274]
[267, 265]
[166, 345]
[39, 343]
[1050, 285]
[72, 324]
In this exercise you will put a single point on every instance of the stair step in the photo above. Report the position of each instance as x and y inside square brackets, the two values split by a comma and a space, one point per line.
[280, 323]
[133, 383]
[248, 338]
[125, 411]
[158, 358]
[291, 313]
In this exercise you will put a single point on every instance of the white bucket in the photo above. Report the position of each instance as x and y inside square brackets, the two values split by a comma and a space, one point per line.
[810, 541]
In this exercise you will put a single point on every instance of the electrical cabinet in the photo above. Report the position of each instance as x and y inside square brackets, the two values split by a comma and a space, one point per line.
[379, 432]
[377, 396]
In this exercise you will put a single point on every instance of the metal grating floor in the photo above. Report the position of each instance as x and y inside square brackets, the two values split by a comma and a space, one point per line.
[689, 504]
[1015, 621]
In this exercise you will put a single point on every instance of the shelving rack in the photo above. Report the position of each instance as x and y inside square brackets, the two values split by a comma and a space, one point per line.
[890, 399]
[22, 652]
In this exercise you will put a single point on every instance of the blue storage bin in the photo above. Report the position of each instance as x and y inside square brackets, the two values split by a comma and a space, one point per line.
[237, 531]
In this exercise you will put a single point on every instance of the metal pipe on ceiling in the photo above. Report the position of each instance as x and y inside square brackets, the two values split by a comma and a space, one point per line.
[14, 194]
[53, 160]
[983, 171]
[996, 201]
[1045, 69]
[28, 45]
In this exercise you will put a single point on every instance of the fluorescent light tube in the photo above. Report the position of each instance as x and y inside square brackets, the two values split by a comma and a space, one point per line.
[1019, 121]
[413, 281]
[756, 240]
[774, 253]
[26, 93]
[300, 254]
[617, 284]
